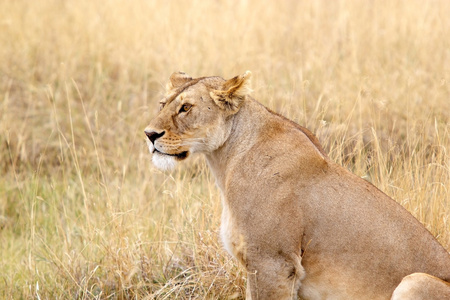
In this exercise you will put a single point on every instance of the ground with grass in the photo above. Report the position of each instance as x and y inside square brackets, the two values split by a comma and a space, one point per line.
[84, 214]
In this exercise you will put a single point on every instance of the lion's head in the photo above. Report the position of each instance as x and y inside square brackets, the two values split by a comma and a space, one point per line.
[194, 116]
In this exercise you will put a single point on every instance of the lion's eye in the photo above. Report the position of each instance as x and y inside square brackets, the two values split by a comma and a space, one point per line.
[185, 108]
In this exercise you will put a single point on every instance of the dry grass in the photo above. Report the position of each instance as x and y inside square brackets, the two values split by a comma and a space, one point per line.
[83, 214]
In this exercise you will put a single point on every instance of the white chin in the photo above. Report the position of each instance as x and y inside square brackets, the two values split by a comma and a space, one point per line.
[164, 162]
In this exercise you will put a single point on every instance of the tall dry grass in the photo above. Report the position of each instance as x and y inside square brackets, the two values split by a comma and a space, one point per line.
[83, 214]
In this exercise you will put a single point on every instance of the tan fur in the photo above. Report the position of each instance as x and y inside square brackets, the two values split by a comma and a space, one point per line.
[420, 286]
[298, 222]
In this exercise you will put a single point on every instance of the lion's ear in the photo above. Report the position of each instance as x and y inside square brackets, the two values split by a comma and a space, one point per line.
[177, 79]
[233, 92]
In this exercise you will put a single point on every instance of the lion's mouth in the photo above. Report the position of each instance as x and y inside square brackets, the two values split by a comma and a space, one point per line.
[179, 156]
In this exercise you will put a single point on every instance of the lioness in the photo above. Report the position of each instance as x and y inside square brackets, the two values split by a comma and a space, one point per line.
[298, 222]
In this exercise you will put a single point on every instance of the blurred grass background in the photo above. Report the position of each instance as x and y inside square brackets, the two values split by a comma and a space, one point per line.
[84, 214]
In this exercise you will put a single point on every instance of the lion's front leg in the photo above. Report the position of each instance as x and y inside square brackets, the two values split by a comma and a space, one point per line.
[273, 277]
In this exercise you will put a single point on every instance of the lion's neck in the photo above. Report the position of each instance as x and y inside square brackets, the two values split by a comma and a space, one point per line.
[245, 130]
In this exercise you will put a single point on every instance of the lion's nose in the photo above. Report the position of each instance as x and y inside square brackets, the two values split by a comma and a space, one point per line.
[153, 135]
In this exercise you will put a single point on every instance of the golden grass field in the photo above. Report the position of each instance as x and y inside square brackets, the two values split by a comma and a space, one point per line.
[84, 214]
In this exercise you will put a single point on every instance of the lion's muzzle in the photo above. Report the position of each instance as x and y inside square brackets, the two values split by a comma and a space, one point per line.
[153, 135]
